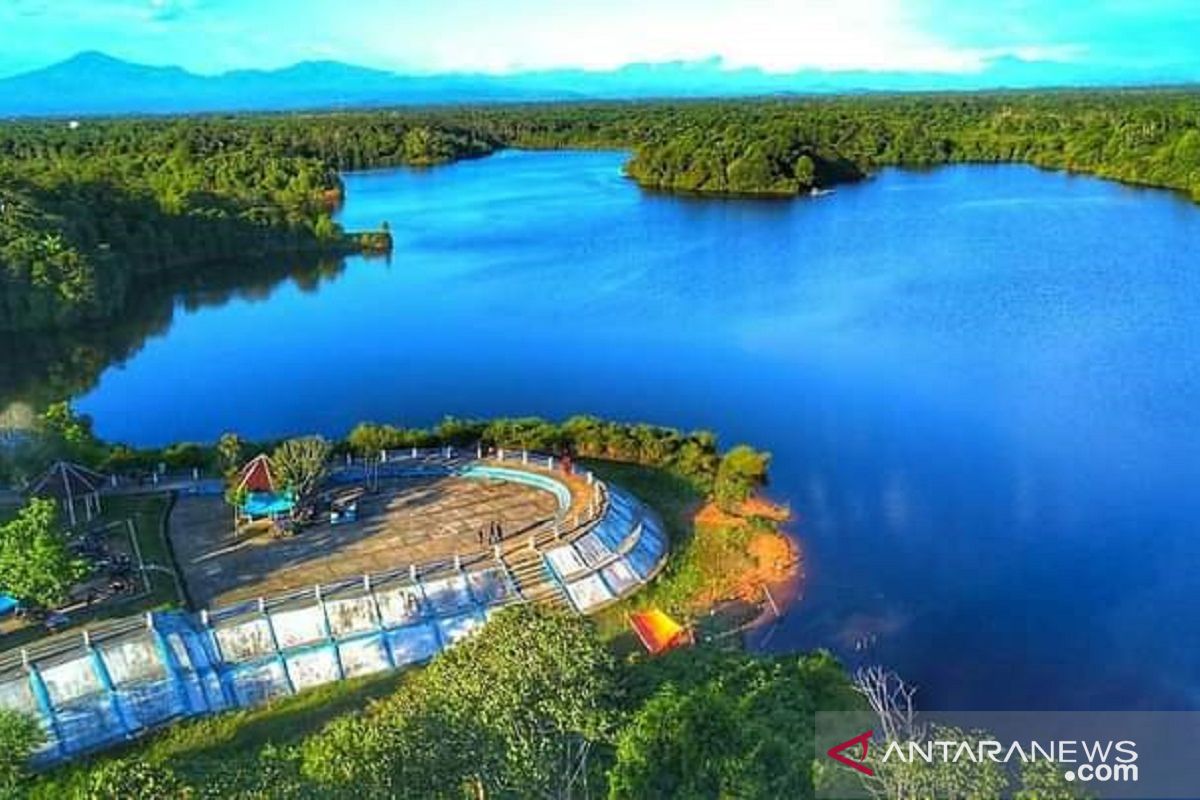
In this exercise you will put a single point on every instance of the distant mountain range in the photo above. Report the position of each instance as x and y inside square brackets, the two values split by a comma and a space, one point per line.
[93, 83]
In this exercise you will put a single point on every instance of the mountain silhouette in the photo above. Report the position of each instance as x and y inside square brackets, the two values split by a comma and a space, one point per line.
[93, 83]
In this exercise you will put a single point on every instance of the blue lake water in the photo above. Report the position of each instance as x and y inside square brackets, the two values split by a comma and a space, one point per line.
[981, 386]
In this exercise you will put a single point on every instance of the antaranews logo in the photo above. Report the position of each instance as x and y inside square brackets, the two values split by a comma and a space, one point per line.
[862, 741]
[1078, 760]
[1128, 755]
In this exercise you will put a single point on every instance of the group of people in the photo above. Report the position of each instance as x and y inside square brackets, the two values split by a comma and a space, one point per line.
[493, 534]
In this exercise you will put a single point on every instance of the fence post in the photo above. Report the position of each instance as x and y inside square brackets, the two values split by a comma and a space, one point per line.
[228, 695]
[383, 637]
[171, 665]
[41, 696]
[337, 656]
[100, 670]
[266, 615]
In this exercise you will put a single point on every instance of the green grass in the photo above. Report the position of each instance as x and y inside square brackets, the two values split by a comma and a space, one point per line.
[149, 516]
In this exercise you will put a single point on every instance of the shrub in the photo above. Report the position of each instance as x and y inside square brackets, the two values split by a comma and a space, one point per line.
[20, 735]
[742, 472]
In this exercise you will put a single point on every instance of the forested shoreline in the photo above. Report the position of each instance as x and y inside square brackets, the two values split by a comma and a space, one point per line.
[88, 209]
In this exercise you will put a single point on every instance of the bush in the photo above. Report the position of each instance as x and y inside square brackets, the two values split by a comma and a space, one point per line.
[742, 472]
[514, 711]
[133, 778]
[20, 735]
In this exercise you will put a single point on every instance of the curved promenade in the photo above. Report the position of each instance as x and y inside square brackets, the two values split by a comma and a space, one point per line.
[141, 673]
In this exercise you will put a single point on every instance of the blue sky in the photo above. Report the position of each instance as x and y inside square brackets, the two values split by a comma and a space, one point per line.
[422, 36]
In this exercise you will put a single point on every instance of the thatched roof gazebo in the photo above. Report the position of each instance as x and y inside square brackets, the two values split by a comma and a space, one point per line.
[71, 484]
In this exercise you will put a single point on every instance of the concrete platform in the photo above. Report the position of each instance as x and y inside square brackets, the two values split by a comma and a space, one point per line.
[410, 520]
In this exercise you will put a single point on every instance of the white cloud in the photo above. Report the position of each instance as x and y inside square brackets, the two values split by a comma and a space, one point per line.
[774, 35]
[493, 36]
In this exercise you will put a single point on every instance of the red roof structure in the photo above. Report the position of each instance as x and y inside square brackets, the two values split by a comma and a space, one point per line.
[256, 475]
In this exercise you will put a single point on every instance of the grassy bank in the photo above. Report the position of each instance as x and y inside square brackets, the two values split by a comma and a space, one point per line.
[716, 565]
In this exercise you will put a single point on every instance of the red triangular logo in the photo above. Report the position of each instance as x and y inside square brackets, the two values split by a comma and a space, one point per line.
[863, 740]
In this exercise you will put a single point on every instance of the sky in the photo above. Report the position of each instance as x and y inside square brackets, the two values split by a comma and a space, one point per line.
[503, 36]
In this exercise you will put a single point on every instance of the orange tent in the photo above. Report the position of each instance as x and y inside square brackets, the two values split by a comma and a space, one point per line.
[657, 631]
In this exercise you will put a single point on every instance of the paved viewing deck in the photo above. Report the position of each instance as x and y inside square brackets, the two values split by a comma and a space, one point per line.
[406, 581]
[423, 519]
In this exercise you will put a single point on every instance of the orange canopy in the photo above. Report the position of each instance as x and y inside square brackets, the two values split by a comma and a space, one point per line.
[657, 631]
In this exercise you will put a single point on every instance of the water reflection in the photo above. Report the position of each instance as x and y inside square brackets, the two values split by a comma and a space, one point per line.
[42, 367]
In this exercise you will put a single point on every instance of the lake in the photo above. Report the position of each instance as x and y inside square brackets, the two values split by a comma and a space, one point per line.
[981, 386]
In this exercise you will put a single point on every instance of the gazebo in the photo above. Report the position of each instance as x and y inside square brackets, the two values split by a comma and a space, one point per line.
[71, 484]
[262, 496]
[256, 476]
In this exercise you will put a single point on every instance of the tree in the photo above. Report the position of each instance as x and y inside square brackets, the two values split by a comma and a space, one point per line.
[70, 433]
[539, 690]
[743, 470]
[133, 777]
[728, 725]
[231, 450]
[325, 229]
[681, 745]
[20, 735]
[35, 564]
[186, 455]
[515, 711]
[300, 464]
[368, 439]
[805, 171]
[1044, 780]
[917, 779]
[892, 703]
[407, 748]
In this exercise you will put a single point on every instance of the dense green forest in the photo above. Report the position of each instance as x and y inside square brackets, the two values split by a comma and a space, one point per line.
[88, 210]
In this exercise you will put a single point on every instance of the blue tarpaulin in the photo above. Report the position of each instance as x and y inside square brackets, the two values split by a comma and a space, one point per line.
[268, 504]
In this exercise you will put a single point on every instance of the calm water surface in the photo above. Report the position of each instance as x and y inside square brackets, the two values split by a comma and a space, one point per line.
[981, 386]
